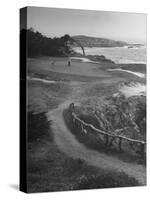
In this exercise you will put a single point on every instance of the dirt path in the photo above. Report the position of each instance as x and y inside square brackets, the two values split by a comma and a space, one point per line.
[67, 142]
[70, 146]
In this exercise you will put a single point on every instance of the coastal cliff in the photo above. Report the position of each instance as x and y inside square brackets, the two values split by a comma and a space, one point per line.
[87, 41]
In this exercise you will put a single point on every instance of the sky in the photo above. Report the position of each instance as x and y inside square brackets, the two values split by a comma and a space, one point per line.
[55, 22]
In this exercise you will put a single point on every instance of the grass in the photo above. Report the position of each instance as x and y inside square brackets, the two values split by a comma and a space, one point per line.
[134, 67]
[40, 67]
[43, 96]
[114, 179]
[60, 76]
[99, 89]
[51, 170]
[48, 168]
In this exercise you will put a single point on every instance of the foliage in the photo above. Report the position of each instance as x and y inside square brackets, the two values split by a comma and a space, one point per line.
[125, 116]
[40, 45]
[106, 180]
[37, 127]
[117, 115]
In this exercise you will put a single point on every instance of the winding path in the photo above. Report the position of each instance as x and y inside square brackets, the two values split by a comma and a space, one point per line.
[67, 143]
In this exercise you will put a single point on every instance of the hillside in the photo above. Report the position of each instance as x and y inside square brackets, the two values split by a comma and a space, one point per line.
[87, 41]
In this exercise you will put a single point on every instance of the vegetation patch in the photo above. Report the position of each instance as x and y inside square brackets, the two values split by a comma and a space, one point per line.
[116, 116]
[39, 123]
[105, 180]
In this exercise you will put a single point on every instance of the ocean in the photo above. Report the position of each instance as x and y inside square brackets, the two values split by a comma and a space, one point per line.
[118, 54]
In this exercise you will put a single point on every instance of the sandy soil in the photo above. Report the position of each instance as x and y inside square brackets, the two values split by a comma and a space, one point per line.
[136, 89]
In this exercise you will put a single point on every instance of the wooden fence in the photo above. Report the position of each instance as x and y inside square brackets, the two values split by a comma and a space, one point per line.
[109, 137]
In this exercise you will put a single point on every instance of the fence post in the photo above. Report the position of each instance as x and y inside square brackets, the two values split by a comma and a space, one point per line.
[120, 143]
[108, 142]
[111, 141]
[82, 129]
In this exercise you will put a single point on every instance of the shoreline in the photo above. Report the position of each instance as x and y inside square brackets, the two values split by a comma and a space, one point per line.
[98, 59]
[119, 55]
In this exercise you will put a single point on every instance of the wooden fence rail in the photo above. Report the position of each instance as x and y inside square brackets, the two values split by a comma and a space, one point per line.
[107, 135]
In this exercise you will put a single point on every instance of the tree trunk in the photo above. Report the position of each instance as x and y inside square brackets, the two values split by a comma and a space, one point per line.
[83, 50]
[80, 45]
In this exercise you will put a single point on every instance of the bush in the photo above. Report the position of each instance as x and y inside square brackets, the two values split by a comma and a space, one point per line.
[38, 127]
[106, 180]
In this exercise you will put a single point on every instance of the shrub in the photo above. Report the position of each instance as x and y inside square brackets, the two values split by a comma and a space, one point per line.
[106, 180]
[38, 127]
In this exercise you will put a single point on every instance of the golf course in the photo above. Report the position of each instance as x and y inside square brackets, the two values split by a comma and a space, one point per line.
[60, 157]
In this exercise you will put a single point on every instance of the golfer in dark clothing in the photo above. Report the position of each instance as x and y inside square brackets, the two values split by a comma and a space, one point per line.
[69, 62]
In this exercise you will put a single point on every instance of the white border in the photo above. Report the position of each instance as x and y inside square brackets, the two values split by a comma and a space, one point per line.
[9, 100]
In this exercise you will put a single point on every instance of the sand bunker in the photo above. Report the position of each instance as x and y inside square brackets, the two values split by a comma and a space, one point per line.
[139, 74]
[39, 79]
[134, 89]
[83, 59]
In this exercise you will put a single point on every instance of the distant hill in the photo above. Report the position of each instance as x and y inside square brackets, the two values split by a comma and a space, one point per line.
[87, 41]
